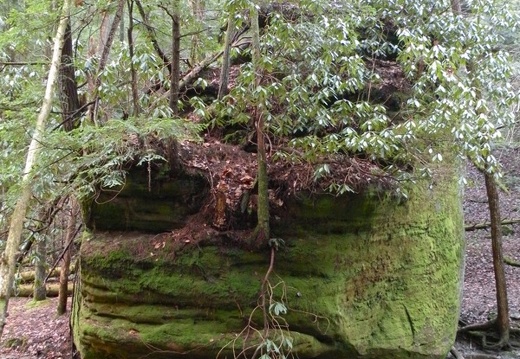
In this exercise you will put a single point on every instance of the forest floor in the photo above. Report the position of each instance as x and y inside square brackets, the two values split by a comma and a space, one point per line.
[34, 331]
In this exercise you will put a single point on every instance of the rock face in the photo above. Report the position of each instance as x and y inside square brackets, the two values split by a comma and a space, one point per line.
[359, 276]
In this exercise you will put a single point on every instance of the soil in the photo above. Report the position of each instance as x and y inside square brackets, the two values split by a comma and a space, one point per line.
[34, 330]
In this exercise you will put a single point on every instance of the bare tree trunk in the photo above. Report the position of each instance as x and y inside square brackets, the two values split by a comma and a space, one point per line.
[65, 266]
[133, 73]
[197, 7]
[8, 258]
[176, 62]
[40, 291]
[106, 47]
[175, 74]
[263, 229]
[70, 105]
[502, 323]
[226, 58]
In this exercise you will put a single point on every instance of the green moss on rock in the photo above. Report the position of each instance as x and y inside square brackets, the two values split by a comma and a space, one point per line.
[362, 278]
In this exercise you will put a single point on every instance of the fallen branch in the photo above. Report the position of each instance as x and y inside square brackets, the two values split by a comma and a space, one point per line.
[511, 262]
[474, 227]
[195, 71]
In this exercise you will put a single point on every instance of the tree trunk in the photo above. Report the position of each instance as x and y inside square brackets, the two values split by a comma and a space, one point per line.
[198, 13]
[70, 106]
[105, 51]
[133, 73]
[40, 291]
[226, 58]
[65, 266]
[8, 258]
[176, 70]
[502, 322]
[263, 230]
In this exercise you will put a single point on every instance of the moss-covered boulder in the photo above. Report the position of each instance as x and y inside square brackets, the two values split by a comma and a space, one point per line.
[359, 277]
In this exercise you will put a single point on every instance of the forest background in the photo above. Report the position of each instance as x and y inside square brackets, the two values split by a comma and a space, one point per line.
[131, 73]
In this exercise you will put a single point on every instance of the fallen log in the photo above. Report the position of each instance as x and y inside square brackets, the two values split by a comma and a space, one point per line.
[28, 276]
[474, 227]
[26, 290]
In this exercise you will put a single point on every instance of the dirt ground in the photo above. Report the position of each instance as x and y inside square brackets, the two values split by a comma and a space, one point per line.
[34, 331]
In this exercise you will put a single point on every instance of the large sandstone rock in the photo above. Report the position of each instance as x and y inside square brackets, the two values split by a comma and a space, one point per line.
[362, 277]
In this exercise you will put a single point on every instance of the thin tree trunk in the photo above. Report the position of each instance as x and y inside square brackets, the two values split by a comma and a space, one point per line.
[226, 58]
[107, 46]
[198, 13]
[502, 323]
[65, 266]
[40, 291]
[176, 70]
[133, 73]
[153, 37]
[8, 258]
[263, 230]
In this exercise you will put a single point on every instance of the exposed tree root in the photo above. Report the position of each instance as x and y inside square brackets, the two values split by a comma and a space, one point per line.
[456, 354]
[489, 337]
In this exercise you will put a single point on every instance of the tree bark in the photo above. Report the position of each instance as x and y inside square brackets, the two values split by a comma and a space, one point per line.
[502, 322]
[65, 266]
[8, 258]
[40, 291]
[70, 106]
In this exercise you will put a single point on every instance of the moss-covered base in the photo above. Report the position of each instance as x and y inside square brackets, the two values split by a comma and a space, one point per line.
[362, 278]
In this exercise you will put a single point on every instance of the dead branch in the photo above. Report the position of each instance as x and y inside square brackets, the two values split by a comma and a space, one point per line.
[474, 227]
[195, 71]
[511, 262]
